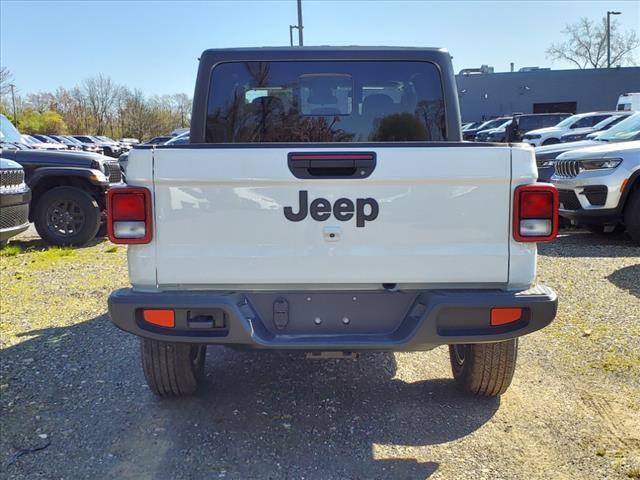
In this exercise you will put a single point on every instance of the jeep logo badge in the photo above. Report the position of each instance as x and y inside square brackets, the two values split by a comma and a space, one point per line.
[365, 209]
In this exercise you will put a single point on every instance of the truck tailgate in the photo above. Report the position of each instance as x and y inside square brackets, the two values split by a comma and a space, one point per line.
[443, 218]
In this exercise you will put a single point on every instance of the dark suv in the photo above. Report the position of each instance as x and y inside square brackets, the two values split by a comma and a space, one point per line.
[68, 188]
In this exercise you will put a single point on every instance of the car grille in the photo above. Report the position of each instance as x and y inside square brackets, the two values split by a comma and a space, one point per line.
[567, 168]
[569, 200]
[14, 216]
[113, 172]
[13, 177]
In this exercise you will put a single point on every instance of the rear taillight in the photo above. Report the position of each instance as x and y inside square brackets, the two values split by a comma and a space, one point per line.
[535, 213]
[129, 215]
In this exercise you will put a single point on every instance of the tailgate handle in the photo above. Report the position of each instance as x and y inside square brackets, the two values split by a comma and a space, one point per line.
[332, 165]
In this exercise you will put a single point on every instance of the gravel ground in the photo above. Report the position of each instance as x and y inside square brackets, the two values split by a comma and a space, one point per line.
[72, 383]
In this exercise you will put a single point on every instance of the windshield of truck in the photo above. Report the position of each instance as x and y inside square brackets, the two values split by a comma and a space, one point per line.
[8, 133]
[325, 101]
[628, 129]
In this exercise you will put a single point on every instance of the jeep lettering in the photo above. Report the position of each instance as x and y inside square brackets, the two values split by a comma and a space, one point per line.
[366, 209]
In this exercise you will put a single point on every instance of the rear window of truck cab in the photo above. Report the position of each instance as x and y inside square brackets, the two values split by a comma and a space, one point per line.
[325, 101]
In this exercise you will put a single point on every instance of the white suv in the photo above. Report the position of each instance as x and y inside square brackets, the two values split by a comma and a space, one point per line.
[551, 135]
[599, 187]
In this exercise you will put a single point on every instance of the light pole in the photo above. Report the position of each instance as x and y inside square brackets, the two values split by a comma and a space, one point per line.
[13, 100]
[609, 36]
[299, 27]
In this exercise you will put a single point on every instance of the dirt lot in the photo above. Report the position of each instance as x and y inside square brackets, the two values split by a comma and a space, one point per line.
[72, 383]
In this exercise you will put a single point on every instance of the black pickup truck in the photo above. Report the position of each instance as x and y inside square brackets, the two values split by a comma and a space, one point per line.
[68, 188]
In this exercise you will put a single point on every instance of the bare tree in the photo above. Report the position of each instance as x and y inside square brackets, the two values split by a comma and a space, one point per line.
[42, 101]
[6, 78]
[586, 44]
[101, 94]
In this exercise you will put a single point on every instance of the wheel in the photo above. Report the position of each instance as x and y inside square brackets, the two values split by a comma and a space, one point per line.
[484, 369]
[632, 216]
[550, 141]
[102, 230]
[172, 369]
[67, 216]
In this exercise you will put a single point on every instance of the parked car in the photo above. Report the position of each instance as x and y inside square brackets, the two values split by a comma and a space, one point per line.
[599, 187]
[68, 188]
[34, 142]
[129, 141]
[181, 139]
[48, 140]
[86, 147]
[14, 200]
[497, 132]
[158, 140]
[110, 149]
[470, 133]
[626, 131]
[523, 123]
[251, 252]
[581, 133]
[551, 135]
[69, 144]
[471, 125]
[629, 102]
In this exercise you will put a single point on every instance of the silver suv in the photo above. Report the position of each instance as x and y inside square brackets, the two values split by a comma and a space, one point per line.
[599, 187]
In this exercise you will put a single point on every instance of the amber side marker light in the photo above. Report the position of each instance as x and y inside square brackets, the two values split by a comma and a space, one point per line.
[160, 318]
[503, 316]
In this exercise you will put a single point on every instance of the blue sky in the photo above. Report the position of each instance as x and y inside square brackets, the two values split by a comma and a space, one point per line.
[154, 45]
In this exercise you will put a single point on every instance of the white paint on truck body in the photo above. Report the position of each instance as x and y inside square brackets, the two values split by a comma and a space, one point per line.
[444, 220]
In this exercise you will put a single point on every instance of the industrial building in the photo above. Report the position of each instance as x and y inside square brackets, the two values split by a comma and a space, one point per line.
[484, 94]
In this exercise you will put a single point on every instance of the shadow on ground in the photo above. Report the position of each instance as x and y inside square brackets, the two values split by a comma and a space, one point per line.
[627, 279]
[580, 243]
[259, 415]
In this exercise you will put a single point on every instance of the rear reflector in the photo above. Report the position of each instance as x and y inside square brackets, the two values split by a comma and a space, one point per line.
[160, 318]
[502, 316]
[129, 215]
[535, 213]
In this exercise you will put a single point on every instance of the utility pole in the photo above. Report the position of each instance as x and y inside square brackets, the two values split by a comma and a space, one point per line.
[609, 36]
[299, 27]
[13, 100]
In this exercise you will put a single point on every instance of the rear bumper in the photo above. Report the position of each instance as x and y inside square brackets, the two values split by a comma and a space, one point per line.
[393, 321]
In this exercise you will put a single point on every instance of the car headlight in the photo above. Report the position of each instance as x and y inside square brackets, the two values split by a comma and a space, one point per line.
[600, 164]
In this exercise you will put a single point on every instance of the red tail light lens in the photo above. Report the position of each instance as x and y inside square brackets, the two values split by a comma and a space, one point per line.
[536, 204]
[535, 213]
[129, 215]
[128, 207]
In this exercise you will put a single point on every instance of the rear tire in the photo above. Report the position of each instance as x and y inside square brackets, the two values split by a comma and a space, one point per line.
[484, 369]
[172, 369]
[67, 216]
[632, 216]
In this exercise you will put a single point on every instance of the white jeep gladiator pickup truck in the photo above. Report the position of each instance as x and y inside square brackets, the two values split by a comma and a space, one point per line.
[326, 204]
